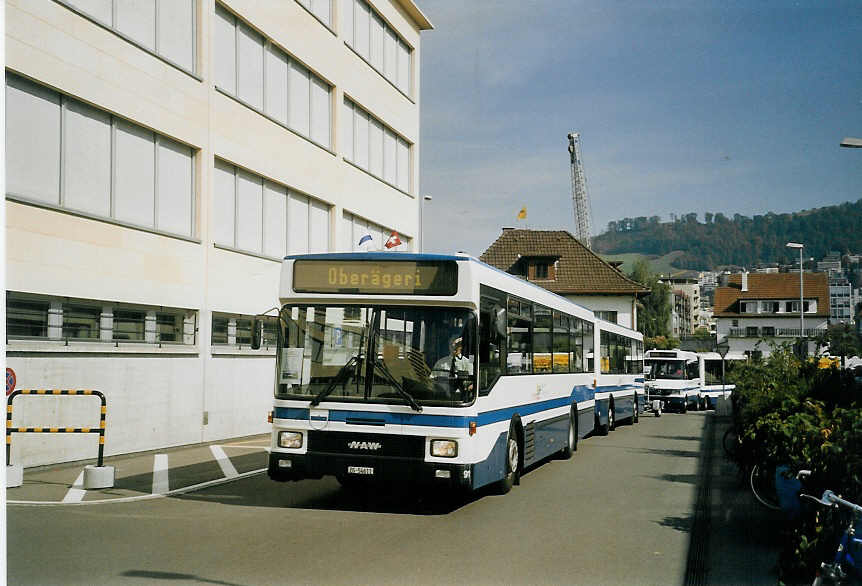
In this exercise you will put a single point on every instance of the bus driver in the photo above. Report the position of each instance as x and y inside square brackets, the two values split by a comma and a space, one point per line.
[456, 365]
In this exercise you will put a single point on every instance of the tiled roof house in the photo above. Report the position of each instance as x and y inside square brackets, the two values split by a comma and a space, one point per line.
[754, 309]
[557, 261]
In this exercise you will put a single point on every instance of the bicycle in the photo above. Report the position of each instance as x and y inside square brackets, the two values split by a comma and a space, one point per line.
[847, 561]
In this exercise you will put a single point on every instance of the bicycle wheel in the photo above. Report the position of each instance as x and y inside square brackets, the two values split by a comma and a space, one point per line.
[763, 486]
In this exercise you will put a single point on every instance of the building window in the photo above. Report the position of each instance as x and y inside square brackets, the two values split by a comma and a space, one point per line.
[86, 320]
[257, 215]
[68, 154]
[254, 70]
[751, 331]
[165, 27]
[377, 43]
[82, 321]
[768, 332]
[374, 147]
[26, 318]
[229, 329]
[322, 9]
[610, 316]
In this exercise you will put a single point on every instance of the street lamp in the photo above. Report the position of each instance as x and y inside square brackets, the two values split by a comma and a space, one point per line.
[852, 143]
[722, 350]
[801, 311]
[422, 221]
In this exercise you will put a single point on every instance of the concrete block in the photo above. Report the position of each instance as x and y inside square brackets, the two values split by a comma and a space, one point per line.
[98, 477]
[14, 476]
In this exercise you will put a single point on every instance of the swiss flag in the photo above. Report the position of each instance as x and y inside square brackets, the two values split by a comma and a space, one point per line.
[393, 241]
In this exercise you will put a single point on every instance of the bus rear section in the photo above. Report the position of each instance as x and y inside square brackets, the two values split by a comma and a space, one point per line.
[673, 378]
[714, 374]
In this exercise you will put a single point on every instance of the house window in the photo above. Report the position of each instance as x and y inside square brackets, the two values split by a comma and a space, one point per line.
[751, 331]
[235, 330]
[610, 316]
[541, 270]
[768, 332]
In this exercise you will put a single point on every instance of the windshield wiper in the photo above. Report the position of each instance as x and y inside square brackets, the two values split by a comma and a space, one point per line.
[390, 378]
[338, 378]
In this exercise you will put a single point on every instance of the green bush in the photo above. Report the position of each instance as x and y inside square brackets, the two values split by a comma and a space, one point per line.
[791, 413]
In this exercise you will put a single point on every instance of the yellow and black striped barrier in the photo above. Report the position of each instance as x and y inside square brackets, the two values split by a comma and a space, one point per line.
[53, 393]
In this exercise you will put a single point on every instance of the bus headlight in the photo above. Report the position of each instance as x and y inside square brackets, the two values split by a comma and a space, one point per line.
[444, 448]
[290, 439]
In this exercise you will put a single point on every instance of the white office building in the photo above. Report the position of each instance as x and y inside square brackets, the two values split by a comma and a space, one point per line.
[162, 157]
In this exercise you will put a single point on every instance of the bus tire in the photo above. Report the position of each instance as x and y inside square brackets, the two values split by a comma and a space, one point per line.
[599, 428]
[635, 414]
[684, 408]
[612, 417]
[513, 461]
[571, 437]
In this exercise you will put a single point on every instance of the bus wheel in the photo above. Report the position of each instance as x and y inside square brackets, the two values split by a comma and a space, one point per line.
[571, 438]
[513, 462]
[600, 429]
[684, 408]
[635, 414]
[612, 423]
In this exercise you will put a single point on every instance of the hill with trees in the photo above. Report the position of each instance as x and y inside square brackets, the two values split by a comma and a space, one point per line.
[743, 241]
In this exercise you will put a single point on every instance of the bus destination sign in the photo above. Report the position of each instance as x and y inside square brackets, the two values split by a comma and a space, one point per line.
[396, 277]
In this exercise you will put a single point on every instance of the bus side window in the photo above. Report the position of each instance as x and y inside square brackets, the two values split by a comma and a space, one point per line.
[491, 343]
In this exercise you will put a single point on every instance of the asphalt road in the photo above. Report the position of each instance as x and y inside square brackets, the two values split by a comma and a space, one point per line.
[619, 512]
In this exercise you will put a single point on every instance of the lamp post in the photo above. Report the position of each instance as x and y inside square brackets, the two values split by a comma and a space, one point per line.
[422, 221]
[852, 143]
[722, 351]
[801, 304]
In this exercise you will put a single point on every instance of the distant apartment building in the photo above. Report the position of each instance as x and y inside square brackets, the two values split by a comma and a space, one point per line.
[162, 157]
[753, 310]
[685, 302]
[830, 264]
[841, 306]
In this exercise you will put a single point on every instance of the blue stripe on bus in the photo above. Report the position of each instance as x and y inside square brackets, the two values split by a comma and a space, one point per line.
[579, 393]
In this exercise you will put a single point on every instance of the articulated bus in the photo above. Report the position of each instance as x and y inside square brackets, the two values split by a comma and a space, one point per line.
[674, 379]
[437, 370]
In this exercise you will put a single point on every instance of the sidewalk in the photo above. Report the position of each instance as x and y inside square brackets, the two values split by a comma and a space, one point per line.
[146, 474]
[735, 540]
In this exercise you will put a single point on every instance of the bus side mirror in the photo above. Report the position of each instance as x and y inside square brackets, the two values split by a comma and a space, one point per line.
[256, 333]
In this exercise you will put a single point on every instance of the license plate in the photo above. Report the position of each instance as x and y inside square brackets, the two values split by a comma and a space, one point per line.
[367, 470]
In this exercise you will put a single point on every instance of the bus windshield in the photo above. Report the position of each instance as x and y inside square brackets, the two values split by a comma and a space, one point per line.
[666, 369]
[376, 354]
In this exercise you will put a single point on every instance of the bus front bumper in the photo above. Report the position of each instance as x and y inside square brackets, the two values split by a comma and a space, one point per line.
[285, 467]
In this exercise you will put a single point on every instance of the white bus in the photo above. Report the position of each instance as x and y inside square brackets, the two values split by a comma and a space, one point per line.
[674, 379]
[436, 369]
[712, 386]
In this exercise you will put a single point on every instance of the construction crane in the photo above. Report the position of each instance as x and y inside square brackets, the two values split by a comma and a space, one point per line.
[580, 198]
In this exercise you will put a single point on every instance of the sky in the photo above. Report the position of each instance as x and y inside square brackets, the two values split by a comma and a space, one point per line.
[682, 106]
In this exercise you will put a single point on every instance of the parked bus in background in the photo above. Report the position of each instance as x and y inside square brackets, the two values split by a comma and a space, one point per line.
[435, 370]
[712, 386]
[674, 379]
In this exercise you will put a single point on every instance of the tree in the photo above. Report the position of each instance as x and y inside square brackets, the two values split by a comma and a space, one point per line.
[653, 310]
[842, 341]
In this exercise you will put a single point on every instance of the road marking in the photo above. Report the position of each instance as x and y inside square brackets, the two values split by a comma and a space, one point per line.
[77, 492]
[227, 467]
[160, 474]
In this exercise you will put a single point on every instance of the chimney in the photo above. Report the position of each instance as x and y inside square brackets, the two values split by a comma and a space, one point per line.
[745, 280]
